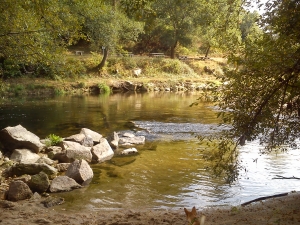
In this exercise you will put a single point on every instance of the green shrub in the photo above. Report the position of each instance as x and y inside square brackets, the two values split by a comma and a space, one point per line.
[70, 68]
[91, 62]
[53, 139]
[129, 63]
[59, 91]
[104, 88]
[10, 69]
[17, 89]
[171, 66]
[81, 85]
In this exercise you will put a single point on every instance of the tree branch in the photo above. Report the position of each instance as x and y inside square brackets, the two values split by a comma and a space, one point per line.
[264, 198]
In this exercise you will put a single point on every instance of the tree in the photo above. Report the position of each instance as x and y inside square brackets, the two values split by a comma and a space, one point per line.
[249, 24]
[262, 97]
[107, 27]
[176, 19]
[34, 32]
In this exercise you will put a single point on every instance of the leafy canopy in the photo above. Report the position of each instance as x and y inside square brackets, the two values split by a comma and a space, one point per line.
[33, 32]
[261, 98]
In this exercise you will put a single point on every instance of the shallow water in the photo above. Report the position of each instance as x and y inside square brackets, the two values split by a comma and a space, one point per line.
[168, 171]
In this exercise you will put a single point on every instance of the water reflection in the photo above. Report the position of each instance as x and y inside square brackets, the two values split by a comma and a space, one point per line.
[169, 171]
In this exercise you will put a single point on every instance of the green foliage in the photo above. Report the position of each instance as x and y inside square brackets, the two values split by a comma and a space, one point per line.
[59, 91]
[17, 89]
[34, 32]
[81, 85]
[10, 70]
[104, 88]
[128, 63]
[91, 62]
[249, 24]
[3, 87]
[71, 68]
[171, 66]
[53, 139]
[260, 98]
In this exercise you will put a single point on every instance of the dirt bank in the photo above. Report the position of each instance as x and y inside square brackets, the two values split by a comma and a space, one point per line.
[281, 210]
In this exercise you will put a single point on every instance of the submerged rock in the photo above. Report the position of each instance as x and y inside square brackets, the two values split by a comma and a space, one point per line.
[52, 201]
[131, 140]
[129, 151]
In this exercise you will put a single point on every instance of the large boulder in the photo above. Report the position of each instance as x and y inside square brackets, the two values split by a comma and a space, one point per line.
[24, 156]
[63, 183]
[92, 134]
[18, 190]
[80, 171]
[18, 137]
[39, 182]
[72, 151]
[102, 151]
[32, 169]
[85, 140]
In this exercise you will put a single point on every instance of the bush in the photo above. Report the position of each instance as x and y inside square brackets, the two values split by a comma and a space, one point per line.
[104, 88]
[53, 139]
[10, 69]
[68, 68]
[91, 62]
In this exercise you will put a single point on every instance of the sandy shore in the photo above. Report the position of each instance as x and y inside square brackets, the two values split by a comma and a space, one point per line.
[281, 210]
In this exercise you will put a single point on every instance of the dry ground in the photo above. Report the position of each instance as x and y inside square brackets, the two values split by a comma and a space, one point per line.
[277, 211]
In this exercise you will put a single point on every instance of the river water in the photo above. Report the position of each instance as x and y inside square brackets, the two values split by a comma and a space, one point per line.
[169, 171]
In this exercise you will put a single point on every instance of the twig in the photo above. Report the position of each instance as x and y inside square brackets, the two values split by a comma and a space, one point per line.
[264, 198]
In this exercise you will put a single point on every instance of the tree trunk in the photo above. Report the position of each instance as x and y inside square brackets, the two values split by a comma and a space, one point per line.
[102, 63]
[173, 50]
[207, 51]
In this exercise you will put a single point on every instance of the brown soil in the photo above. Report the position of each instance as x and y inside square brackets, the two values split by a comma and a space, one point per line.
[281, 210]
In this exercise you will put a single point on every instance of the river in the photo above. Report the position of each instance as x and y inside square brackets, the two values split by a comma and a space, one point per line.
[168, 171]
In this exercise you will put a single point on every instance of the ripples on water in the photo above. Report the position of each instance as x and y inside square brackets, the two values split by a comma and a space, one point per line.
[168, 171]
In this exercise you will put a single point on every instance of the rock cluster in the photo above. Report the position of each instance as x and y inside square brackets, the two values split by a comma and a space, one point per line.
[28, 166]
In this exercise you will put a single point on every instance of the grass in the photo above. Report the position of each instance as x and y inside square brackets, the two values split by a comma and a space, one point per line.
[154, 71]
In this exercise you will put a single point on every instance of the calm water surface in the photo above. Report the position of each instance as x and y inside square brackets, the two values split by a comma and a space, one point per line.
[169, 171]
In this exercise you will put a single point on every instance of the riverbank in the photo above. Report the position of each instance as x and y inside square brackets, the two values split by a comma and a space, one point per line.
[155, 75]
[281, 210]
